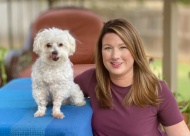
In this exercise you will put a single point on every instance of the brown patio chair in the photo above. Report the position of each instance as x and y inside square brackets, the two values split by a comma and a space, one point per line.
[82, 23]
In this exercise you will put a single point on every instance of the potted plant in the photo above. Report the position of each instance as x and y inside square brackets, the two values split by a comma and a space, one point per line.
[184, 107]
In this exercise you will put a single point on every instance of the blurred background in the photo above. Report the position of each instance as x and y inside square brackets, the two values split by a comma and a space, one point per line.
[145, 15]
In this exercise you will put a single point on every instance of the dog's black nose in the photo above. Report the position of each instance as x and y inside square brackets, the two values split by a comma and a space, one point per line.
[54, 52]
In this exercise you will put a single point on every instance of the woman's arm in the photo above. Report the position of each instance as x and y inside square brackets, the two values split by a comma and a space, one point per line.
[179, 129]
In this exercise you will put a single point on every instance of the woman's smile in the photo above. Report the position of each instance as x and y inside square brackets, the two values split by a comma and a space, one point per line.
[116, 64]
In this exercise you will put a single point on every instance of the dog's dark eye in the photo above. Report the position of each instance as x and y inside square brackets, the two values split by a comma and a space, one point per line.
[60, 45]
[48, 45]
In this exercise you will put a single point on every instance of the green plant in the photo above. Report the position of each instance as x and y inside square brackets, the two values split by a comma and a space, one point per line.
[184, 105]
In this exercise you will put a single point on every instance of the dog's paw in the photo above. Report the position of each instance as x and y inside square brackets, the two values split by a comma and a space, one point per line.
[80, 103]
[58, 115]
[39, 114]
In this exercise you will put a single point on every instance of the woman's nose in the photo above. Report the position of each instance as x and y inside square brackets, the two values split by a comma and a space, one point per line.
[115, 54]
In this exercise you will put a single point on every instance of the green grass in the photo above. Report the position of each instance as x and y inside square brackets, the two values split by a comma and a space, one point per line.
[2, 68]
[184, 80]
[183, 77]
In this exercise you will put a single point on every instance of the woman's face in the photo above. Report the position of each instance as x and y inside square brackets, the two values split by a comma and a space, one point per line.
[116, 57]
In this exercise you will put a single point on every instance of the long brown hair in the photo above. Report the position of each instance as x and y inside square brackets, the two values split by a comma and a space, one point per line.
[145, 87]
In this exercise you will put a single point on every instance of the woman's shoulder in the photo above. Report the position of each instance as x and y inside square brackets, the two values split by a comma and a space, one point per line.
[163, 83]
[164, 87]
[89, 72]
[86, 75]
[169, 113]
[165, 93]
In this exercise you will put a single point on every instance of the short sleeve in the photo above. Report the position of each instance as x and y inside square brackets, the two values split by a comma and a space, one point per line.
[168, 112]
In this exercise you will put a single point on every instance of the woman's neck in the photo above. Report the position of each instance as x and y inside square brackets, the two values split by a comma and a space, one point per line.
[122, 81]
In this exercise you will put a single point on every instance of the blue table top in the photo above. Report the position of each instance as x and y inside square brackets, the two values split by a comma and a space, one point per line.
[17, 108]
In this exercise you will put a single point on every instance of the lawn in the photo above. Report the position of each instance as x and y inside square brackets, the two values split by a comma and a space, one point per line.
[2, 70]
[183, 75]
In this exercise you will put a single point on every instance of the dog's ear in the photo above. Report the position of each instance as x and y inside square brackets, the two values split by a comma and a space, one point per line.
[72, 43]
[37, 45]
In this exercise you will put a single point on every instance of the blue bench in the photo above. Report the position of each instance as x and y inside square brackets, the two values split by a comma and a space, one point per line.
[17, 108]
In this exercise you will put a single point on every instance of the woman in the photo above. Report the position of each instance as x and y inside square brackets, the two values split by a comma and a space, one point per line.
[126, 97]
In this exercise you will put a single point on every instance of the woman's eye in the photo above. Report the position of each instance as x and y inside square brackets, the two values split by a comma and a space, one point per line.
[48, 45]
[60, 45]
[123, 47]
[107, 48]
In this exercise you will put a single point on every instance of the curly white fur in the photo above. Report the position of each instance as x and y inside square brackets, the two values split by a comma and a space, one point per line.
[52, 73]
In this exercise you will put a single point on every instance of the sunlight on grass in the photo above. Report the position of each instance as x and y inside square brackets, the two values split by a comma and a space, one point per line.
[184, 80]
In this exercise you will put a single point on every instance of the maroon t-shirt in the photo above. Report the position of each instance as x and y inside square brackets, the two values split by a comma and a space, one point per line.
[132, 120]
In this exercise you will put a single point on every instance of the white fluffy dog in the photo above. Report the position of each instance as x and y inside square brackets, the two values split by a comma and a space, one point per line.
[52, 73]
